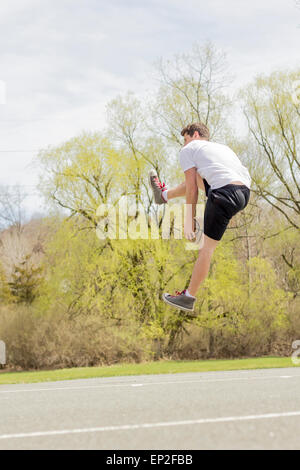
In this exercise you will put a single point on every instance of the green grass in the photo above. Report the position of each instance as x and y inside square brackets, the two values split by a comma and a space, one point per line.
[159, 367]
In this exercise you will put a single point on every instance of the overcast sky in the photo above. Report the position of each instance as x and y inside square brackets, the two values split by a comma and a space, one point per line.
[62, 60]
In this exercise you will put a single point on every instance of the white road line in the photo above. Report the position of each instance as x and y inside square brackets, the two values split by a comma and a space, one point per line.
[203, 381]
[129, 427]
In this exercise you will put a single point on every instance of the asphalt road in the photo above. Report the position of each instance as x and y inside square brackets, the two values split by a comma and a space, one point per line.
[257, 409]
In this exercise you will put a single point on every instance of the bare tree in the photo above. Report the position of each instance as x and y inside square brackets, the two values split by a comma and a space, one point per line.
[12, 211]
[192, 89]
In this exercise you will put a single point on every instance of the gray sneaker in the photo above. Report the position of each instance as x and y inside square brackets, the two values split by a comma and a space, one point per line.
[180, 300]
[157, 187]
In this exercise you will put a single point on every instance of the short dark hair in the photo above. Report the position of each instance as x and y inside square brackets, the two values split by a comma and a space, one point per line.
[201, 128]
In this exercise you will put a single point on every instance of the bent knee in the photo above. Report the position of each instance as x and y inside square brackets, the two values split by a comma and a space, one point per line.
[209, 244]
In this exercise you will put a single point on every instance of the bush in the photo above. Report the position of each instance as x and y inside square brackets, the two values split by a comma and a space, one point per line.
[35, 342]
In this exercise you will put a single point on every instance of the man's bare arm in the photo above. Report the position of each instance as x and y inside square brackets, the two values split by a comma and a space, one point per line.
[200, 182]
[191, 201]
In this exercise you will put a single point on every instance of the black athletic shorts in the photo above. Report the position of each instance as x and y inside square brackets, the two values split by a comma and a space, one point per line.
[222, 204]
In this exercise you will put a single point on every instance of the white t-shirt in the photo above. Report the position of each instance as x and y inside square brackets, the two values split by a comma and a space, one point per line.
[216, 163]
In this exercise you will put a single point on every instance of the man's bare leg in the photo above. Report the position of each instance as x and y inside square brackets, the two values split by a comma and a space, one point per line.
[182, 300]
[185, 300]
[202, 265]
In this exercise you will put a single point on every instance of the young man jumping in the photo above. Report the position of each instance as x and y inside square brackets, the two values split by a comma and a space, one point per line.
[217, 170]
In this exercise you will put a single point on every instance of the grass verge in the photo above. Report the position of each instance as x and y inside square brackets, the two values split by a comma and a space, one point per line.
[159, 367]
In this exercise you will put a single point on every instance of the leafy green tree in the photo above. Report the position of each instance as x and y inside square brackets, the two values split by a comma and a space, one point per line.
[141, 147]
[5, 295]
[25, 281]
[81, 174]
[283, 250]
[239, 321]
[273, 116]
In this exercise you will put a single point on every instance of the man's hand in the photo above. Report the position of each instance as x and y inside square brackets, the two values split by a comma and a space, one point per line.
[189, 231]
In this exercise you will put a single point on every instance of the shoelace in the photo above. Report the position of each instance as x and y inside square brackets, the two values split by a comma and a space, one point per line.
[177, 292]
[160, 185]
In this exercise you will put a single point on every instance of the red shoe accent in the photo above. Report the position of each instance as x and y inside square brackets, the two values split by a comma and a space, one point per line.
[177, 292]
[159, 184]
